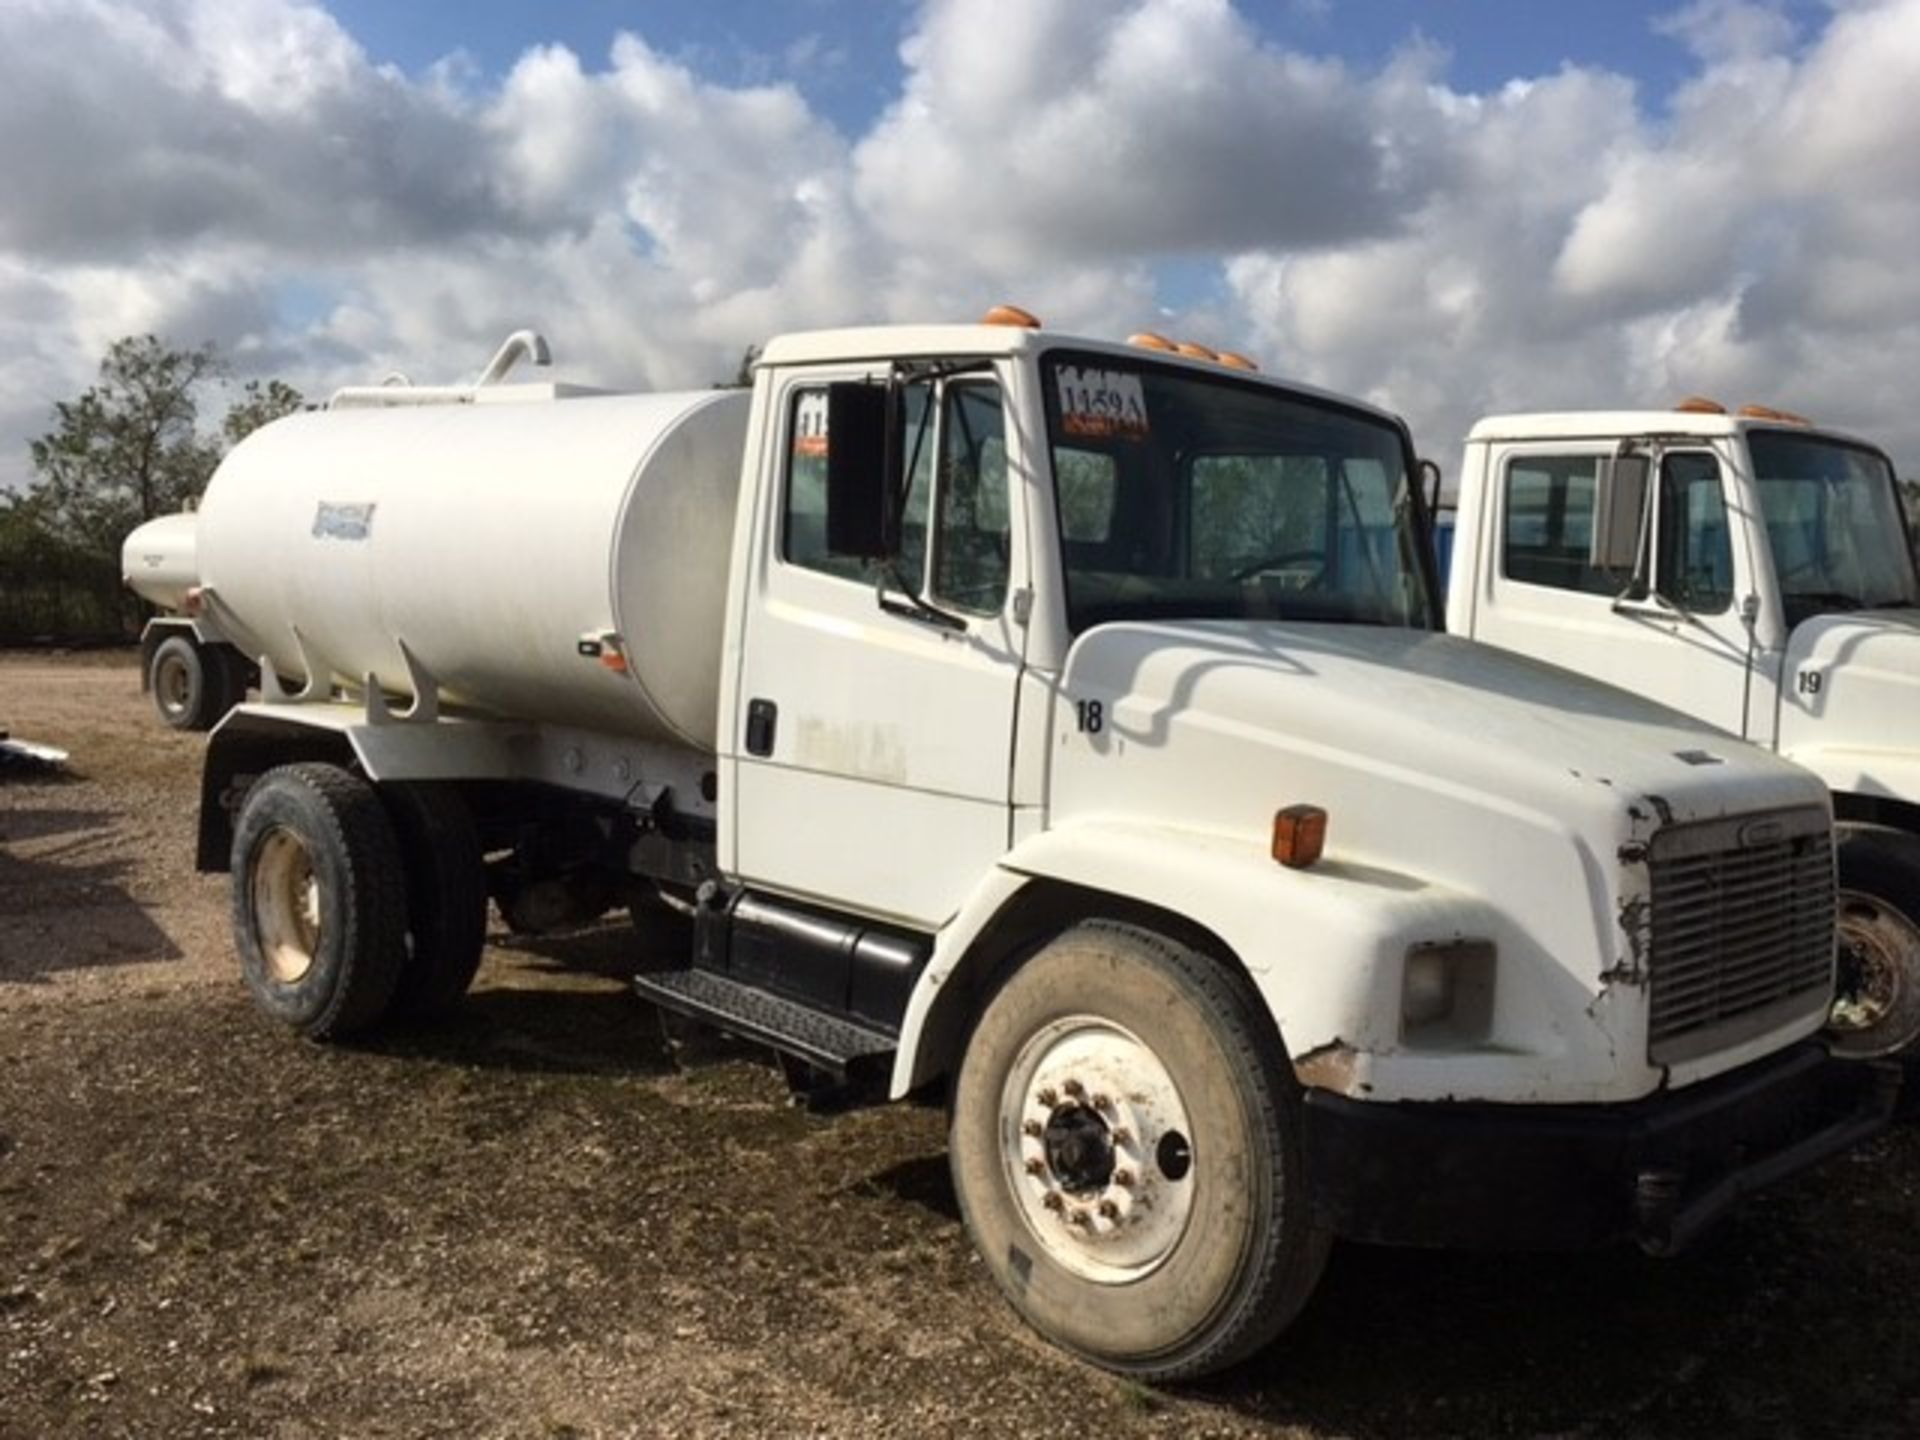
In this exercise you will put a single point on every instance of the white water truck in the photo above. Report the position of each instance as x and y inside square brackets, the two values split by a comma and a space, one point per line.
[1059, 727]
[1751, 569]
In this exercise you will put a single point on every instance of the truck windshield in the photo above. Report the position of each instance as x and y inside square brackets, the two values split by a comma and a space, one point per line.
[1185, 496]
[1834, 524]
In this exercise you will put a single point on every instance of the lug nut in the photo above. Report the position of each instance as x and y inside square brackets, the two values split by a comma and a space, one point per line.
[1048, 1098]
[1109, 1210]
[1036, 1166]
[1122, 1135]
[1101, 1102]
[1033, 1129]
[1053, 1200]
[1082, 1219]
[1074, 1088]
[1123, 1178]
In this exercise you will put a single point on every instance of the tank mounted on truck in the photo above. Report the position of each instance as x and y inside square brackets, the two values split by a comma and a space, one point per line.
[1060, 725]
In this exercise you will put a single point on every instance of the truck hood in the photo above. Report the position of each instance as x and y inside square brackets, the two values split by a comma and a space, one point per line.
[1474, 797]
[1850, 701]
[1375, 713]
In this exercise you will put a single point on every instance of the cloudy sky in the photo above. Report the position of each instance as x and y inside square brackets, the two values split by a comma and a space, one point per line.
[1447, 206]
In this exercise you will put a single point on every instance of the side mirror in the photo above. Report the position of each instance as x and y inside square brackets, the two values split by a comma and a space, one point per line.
[1619, 513]
[857, 464]
[1430, 486]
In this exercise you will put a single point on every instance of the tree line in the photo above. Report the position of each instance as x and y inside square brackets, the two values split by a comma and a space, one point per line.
[132, 446]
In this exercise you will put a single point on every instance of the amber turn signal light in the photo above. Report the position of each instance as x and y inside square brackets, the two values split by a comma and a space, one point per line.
[1011, 315]
[1299, 835]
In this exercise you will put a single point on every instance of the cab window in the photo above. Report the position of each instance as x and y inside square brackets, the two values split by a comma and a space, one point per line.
[954, 516]
[1696, 554]
[1548, 535]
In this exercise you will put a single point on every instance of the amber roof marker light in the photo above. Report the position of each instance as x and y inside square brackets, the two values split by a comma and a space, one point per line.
[1011, 315]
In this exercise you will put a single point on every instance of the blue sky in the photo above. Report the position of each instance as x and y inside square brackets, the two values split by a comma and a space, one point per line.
[1446, 207]
[850, 66]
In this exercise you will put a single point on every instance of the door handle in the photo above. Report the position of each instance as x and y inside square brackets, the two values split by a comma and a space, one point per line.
[763, 717]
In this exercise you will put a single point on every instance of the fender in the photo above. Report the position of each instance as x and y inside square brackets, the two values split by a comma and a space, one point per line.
[1324, 946]
[1851, 770]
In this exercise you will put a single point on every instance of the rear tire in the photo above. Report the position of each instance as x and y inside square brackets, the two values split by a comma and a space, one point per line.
[319, 904]
[1126, 1148]
[194, 685]
[1876, 1010]
[446, 896]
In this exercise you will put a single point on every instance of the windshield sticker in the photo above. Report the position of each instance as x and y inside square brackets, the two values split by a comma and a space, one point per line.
[810, 424]
[1102, 403]
[342, 522]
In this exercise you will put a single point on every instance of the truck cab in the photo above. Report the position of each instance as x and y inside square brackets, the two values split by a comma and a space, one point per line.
[1749, 569]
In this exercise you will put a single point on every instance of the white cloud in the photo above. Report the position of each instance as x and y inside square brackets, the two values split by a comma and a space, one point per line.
[241, 171]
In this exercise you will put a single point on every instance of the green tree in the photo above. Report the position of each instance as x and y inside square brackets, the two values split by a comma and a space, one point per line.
[128, 448]
[258, 404]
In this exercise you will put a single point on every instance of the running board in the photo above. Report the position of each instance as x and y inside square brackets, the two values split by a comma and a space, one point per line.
[826, 1042]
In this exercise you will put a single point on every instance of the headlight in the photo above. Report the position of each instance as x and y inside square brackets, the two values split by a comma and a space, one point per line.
[1446, 992]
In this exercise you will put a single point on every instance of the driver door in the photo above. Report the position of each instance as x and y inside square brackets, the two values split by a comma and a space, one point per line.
[874, 759]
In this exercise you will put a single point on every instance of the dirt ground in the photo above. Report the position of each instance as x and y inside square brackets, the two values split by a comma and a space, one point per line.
[533, 1221]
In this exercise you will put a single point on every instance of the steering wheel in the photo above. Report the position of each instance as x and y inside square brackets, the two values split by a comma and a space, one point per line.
[1283, 560]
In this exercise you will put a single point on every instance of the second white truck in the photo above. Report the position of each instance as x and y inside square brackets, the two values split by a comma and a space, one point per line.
[1058, 726]
[1746, 568]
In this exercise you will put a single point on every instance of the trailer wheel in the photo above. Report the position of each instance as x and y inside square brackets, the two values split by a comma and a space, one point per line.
[319, 907]
[194, 685]
[1876, 1008]
[446, 896]
[1126, 1148]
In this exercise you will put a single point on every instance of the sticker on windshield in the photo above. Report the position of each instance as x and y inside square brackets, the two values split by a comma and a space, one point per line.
[810, 424]
[1102, 403]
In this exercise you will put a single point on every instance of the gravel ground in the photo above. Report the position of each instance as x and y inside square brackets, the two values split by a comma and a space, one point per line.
[533, 1221]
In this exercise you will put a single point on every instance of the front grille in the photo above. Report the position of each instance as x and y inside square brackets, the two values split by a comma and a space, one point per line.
[1742, 931]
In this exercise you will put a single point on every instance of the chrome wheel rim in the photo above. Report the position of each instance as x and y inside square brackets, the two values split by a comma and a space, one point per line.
[1098, 1149]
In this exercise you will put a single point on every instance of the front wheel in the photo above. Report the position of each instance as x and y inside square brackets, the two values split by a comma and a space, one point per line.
[1876, 1008]
[1126, 1149]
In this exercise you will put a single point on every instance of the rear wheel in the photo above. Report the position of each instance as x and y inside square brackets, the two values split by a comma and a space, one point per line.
[446, 896]
[1876, 1009]
[1126, 1148]
[319, 905]
[194, 685]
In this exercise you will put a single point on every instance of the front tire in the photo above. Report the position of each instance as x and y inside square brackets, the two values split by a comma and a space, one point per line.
[1126, 1149]
[1876, 1010]
[319, 904]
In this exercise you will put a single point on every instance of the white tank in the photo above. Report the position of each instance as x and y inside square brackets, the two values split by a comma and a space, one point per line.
[157, 560]
[491, 538]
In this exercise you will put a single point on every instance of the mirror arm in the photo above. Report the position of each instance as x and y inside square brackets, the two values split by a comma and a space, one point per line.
[912, 605]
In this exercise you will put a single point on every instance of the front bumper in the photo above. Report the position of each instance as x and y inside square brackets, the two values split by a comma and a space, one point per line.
[1656, 1171]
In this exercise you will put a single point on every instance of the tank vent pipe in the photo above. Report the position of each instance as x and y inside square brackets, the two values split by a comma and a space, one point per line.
[522, 344]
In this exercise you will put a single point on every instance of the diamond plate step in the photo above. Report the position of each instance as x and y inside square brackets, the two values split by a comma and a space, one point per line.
[825, 1041]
